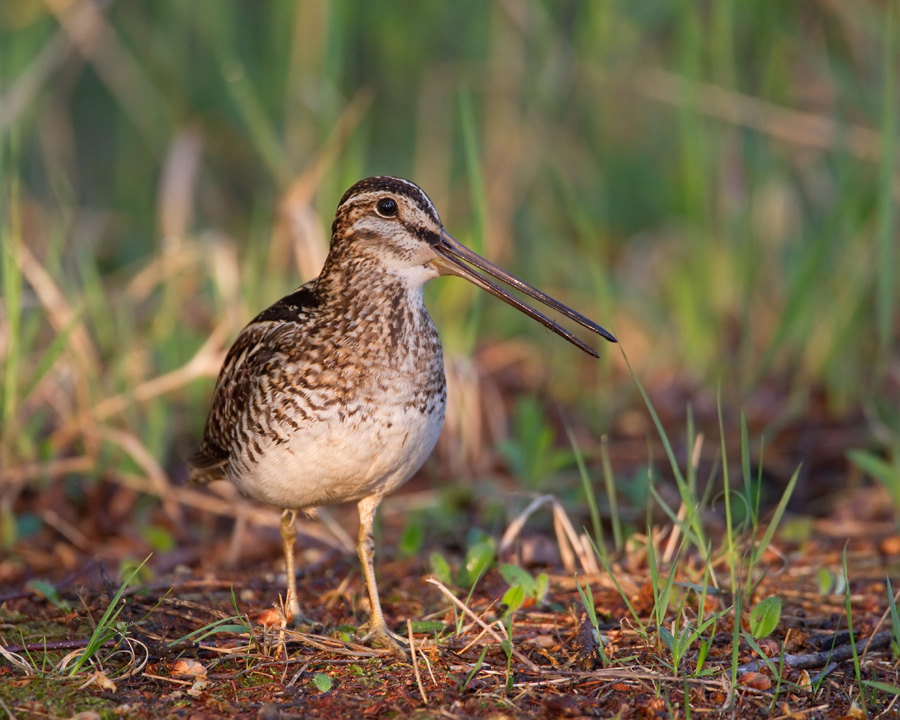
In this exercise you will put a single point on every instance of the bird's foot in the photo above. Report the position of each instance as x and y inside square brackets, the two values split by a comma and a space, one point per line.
[381, 636]
[296, 617]
[301, 621]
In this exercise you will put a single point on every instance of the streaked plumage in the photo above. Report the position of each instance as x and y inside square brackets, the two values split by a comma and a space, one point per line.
[336, 392]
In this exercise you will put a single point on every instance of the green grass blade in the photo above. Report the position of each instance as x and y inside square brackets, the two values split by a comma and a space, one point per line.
[776, 519]
[609, 482]
[478, 197]
[663, 436]
[588, 490]
[884, 687]
[640, 627]
[50, 355]
[104, 629]
[886, 239]
[848, 609]
[892, 604]
[726, 493]
[219, 626]
[685, 525]
[10, 235]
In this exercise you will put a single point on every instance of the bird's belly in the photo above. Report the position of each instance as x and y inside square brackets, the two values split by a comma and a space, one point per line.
[341, 459]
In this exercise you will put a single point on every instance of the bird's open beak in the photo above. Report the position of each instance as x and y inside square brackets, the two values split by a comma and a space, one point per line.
[456, 259]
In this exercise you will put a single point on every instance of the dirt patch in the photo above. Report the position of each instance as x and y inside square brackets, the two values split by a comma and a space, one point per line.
[157, 665]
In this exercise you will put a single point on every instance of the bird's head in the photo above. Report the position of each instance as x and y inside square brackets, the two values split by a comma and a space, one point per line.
[393, 226]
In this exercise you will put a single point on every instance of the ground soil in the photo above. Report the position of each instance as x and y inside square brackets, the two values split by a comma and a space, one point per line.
[53, 594]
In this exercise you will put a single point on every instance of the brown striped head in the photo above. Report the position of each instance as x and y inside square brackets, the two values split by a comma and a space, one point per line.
[387, 219]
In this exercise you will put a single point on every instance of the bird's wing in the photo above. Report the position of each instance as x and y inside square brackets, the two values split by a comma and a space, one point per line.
[246, 391]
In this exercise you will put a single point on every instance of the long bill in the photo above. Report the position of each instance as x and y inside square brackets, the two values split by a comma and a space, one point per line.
[457, 259]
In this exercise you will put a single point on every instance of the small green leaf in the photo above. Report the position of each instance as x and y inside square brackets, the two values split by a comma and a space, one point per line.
[8, 528]
[686, 634]
[765, 616]
[587, 598]
[427, 626]
[478, 560]
[47, 591]
[322, 682]
[830, 583]
[103, 630]
[873, 465]
[514, 575]
[158, 538]
[667, 638]
[134, 572]
[412, 538]
[705, 645]
[541, 586]
[441, 569]
[513, 598]
[225, 625]
[346, 632]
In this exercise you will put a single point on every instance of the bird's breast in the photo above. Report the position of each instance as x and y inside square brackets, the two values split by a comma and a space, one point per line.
[350, 452]
[345, 421]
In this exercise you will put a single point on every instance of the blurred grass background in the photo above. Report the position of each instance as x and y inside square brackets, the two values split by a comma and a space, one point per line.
[714, 182]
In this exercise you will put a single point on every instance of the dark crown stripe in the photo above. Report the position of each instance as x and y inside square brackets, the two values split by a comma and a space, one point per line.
[399, 186]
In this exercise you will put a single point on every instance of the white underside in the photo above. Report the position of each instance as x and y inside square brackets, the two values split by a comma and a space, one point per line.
[340, 461]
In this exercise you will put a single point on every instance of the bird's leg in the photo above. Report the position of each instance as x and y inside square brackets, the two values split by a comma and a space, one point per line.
[288, 537]
[378, 632]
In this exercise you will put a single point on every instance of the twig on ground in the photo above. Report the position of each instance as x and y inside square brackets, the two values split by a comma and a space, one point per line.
[831, 657]
[462, 606]
[52, 645]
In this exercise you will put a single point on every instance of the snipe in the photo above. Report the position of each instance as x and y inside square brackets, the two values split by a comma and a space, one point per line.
[336, 392]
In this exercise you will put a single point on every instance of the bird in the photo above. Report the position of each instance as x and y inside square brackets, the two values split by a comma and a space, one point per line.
[336, 393]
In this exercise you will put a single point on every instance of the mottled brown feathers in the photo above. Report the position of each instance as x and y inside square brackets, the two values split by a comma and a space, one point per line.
[354, 340]
[290, 307]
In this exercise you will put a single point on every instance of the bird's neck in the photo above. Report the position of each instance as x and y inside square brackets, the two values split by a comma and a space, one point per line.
[358, 290]
[384, 312]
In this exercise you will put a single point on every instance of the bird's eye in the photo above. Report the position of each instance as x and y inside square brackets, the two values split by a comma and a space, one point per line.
[386, 207]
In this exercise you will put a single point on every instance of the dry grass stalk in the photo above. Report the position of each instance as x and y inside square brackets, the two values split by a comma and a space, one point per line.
[205, 363]
[97, 41]
[794, 126]
[159, 481]
[415, 664]
[571, 545]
